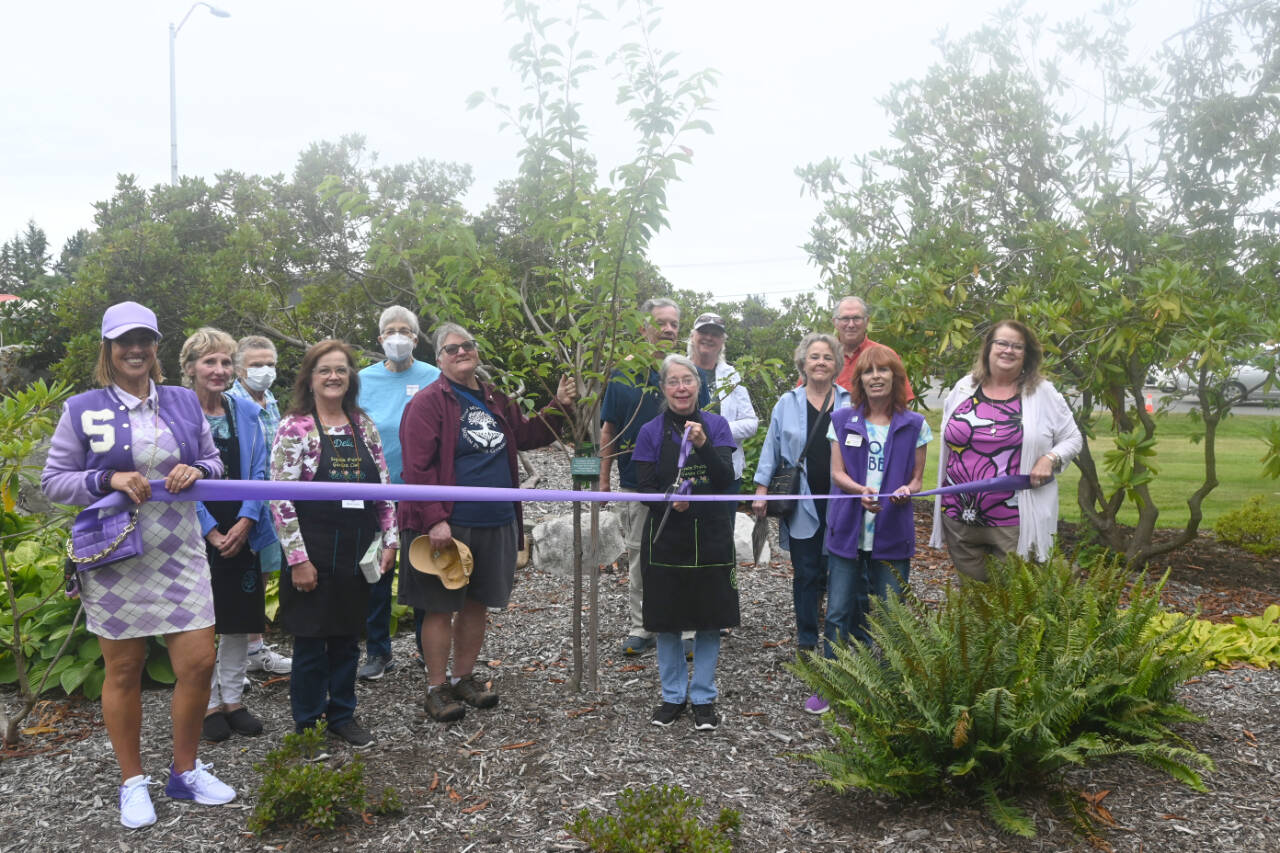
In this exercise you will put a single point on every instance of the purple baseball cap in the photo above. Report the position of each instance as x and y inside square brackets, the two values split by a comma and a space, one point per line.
[126, 316]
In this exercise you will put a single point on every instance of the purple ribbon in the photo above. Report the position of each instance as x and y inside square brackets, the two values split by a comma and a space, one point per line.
[294, 490]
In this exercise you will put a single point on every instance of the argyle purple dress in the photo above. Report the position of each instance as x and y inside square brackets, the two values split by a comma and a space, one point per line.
[166, 589]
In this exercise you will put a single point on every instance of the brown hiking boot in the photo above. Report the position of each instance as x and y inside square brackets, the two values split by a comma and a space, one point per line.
[443, 706]
[474, 693]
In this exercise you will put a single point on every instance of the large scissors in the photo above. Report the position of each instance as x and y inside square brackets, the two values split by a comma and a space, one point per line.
[684, 486]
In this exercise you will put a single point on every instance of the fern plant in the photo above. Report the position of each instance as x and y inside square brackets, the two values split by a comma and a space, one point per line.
[1006, 684]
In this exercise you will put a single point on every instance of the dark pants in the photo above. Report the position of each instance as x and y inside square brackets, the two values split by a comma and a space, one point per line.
[323, 681]
[808, 582]
[377, 626]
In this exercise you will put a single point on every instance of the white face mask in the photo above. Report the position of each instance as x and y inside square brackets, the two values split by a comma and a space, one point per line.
[259, 378]
[398, 347]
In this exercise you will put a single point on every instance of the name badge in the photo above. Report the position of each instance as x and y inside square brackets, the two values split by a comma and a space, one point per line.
[353, 504]
[853, 439]
[410, 390]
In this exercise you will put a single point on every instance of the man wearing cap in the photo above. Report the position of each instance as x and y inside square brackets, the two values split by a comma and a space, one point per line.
[851, 318]
[722, 385]
[630, 403]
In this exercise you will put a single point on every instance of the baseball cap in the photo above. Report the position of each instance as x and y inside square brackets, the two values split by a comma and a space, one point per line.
[126, 316]
[708, 319]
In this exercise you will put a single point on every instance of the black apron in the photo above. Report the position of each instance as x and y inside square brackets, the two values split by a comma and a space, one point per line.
[238, 599]
[690, 579]
[336, 538]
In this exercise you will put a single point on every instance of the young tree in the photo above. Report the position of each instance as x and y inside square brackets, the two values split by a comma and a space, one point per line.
[997, 201]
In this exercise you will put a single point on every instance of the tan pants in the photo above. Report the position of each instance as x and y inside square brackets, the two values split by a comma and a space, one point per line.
[970, 547]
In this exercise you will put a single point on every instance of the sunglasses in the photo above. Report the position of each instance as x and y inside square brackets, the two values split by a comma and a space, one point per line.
[454, 349]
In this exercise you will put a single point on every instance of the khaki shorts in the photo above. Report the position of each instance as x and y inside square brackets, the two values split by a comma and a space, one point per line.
[970, 547]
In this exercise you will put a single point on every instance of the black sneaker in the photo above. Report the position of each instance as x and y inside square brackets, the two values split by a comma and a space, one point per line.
[215, 727]
[705, 718]
[244, 723]
[374, 668]
[353, 733]
[666, 713]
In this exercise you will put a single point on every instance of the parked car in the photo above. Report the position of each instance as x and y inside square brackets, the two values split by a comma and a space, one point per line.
[1254, 380]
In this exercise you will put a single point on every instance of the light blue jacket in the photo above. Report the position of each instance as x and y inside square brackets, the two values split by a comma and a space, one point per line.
[783, 445]
[253, 466]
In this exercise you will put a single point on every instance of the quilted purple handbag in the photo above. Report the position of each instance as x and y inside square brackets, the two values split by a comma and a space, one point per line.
[97, 541]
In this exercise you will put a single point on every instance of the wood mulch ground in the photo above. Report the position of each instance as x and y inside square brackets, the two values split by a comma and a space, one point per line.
[511, 778]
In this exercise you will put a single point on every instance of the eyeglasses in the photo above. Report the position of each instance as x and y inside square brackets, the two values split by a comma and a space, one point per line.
[454, 349]
[680, 382]
[326, 372]
[851, 319]
[1009, 345]
[403, 330]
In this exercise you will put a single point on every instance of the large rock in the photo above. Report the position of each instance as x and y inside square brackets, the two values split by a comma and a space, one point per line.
[743, 524]
[553, 543]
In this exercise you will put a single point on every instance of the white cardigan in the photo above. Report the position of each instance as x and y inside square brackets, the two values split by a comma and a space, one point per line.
[1047, 425]
[736, 408]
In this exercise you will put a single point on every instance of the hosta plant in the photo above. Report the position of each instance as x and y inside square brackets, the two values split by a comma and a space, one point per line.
[1006, 684]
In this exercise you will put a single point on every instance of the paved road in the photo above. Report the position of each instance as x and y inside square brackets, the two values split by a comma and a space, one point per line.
[933, 399]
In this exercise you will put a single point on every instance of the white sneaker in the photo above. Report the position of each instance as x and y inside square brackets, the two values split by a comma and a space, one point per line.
[267, 659]
[200, 785]
[136, 810]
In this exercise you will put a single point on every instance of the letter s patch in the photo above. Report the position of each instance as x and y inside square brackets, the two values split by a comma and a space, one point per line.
[102, 436]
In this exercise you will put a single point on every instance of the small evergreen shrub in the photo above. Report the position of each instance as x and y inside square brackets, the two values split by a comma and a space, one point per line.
[657, 819]
[298, 789]
[1254, 526]
[1007, 684]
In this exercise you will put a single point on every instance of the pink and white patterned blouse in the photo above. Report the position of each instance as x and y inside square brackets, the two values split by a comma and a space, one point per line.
[295, 455]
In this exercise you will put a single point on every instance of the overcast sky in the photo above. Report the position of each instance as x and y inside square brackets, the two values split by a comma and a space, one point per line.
[85, 96]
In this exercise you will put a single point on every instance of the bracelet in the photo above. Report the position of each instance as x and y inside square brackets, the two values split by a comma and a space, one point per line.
[204, 472]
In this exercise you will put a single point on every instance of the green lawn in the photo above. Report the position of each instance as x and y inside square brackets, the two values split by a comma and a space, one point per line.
[1239, 453]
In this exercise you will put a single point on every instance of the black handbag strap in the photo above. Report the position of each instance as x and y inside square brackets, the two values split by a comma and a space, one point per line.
[804, 451]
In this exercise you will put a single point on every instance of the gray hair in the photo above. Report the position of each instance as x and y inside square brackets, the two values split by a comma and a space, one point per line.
[817, 338]
[677, 360]
[865, 307]
[398, 313]
[659, 302]
[249, 342]
[444, 330]
[720, 359]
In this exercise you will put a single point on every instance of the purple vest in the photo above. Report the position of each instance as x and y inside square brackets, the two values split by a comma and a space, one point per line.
[101, 423]
[895, 525]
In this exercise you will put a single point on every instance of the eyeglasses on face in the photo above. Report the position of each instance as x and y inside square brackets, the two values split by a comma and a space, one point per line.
[454, 349]
[398, 330]
[851, 319]
[680, 382]
[326, 372]
[1000, 343]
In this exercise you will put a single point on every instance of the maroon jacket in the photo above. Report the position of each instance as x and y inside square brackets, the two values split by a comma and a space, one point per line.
[429, 440]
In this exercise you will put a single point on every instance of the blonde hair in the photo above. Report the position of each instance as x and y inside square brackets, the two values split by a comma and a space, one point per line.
[206, 340]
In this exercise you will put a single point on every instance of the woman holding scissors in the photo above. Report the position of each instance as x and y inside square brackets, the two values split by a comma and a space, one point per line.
[686, 553]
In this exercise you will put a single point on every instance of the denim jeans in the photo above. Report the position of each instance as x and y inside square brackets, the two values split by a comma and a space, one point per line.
[673, 669]
[810, 577]
[323, 681]
[850, 586]
[377, 626]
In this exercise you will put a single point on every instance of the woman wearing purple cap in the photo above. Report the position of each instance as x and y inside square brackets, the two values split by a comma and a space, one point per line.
[119, 437]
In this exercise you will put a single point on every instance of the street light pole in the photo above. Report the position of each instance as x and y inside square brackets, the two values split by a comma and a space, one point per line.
[173, 85]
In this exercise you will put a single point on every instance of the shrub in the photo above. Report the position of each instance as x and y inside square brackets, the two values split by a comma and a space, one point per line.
[654, 820]
[1254, 526]
[299, 789]
[1006, 684]
[1252, 640]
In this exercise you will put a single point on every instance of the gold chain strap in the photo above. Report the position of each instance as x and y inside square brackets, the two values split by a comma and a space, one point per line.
[107, 551]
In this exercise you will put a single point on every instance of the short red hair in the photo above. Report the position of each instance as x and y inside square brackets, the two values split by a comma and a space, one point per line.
[879, 355]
